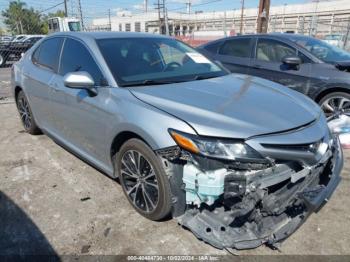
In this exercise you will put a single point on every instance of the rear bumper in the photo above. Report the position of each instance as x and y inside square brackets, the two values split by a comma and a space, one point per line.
[271, 217]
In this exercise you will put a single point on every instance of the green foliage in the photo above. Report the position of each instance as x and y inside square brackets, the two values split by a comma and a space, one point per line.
[22, 20]
[2, 31]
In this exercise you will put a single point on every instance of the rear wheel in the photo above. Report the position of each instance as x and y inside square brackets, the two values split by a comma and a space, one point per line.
[143, 180]
[26, 115]
[3, 59]
[335, 104]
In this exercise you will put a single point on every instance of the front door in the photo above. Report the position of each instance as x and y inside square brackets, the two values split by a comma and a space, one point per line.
[81, 118]
[267, 63]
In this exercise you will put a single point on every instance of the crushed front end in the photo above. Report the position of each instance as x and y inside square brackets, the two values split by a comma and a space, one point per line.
[244, 203]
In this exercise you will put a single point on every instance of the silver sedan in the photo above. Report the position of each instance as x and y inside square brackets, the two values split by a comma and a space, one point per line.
[238, 160]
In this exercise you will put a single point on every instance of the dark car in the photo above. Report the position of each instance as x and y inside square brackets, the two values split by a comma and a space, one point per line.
[305, 64]
[12, 51]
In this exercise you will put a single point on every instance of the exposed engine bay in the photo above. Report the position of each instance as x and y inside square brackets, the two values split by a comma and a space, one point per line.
[231, 204]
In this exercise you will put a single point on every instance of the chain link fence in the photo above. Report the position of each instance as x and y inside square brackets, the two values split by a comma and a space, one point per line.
[22, 23]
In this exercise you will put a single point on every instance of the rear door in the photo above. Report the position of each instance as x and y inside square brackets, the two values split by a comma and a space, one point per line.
[267, 63]
[235, 54]
[38, 78]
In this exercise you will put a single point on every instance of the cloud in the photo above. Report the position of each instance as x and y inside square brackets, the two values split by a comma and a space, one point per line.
[139, 6]
[119, 9]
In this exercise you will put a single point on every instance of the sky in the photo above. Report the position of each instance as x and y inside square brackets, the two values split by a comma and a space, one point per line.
[99, 8]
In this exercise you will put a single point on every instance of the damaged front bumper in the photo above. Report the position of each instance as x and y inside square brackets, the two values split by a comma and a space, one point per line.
[242, 209]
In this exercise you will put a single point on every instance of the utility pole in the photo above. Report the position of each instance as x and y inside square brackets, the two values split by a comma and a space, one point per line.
[162, 17]
[166, 19]
[189, 5]
[347, 35]
[81, 15]
[158, 7]
[65, 8]
[109, 19]
[225, 30]
[145, 6]
[242, 13]
[263, 16]
[313, 23]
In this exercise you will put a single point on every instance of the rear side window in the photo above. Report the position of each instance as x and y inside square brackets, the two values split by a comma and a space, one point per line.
[273, 51]
[213, 48]
[48, 53]
[76, 57]
[35, 56]
[239, 47]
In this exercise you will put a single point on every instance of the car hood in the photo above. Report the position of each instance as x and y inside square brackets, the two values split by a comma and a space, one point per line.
[236, 106]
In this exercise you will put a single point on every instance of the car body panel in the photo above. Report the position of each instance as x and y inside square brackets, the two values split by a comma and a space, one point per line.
[219, 107]
[311, 79]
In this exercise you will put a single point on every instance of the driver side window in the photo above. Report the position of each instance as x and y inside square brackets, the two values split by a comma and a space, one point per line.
[76, 57]
[273, 51]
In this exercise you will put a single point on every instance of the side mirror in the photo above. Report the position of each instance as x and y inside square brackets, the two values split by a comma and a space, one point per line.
[292, 61]
[80, 80]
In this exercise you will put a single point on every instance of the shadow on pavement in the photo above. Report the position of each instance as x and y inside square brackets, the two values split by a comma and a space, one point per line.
[19, 236]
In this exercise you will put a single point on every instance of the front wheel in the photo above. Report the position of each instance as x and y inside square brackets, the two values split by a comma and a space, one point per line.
[144, 180]
[335, 104]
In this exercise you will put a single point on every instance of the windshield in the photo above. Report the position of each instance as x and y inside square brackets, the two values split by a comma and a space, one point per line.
[325, 52]
[147, 61]
[74, 26]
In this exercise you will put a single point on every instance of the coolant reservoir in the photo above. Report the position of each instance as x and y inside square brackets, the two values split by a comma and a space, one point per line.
[203, 187]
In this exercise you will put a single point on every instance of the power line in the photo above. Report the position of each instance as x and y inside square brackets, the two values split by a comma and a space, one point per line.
[52, 7]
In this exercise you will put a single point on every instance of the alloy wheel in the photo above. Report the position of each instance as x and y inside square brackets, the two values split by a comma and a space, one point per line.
[335, 106]
[140, 181]
[24, 111]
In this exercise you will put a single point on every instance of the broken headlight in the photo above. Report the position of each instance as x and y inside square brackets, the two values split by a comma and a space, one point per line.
[215, 148]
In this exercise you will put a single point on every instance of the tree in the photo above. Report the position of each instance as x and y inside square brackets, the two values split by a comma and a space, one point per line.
[22, 20]
[2, 31]
[32, 22]
[14, 16]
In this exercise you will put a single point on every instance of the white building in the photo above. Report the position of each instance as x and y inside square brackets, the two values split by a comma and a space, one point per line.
[314, 18]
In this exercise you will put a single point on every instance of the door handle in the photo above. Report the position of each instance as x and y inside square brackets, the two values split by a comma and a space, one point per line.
[55, 88]
[257, 66]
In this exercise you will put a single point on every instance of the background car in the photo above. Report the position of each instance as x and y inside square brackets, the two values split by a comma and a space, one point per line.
[13, 50]
[337, 40]
[302, 63]
[6, 38]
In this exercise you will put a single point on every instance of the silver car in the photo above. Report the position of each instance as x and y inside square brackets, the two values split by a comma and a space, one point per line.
[238, 160]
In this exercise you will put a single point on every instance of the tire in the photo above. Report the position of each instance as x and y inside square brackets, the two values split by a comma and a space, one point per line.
[3, 59]
[338, 98]
[146, 199]
[26, 114]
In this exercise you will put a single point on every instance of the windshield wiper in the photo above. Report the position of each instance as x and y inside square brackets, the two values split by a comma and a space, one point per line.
[199, 77]
[148, 82]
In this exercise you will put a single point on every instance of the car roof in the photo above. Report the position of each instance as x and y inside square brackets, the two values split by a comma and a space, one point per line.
[105, 35]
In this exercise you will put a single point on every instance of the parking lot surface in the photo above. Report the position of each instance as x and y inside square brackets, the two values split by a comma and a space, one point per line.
[52, 202]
